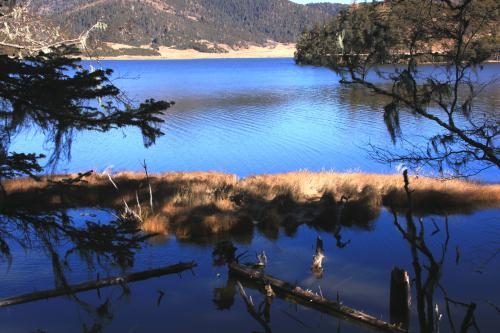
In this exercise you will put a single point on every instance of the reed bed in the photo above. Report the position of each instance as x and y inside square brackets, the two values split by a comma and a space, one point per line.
[205, 204]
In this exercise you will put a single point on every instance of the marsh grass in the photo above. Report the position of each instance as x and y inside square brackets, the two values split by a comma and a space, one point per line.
[191, 205]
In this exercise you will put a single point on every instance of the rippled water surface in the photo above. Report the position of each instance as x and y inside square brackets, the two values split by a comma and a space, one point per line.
[248, 116]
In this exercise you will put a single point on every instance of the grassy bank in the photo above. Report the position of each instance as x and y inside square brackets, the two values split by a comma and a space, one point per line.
[203, 204]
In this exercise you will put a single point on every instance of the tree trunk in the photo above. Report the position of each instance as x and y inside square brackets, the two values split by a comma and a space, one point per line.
[319, 255]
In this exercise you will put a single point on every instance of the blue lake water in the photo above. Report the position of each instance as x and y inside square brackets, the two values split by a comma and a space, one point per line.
[248, 116]
[205, 299]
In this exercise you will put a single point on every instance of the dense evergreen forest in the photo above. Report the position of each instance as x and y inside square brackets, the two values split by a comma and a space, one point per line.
[198, 24]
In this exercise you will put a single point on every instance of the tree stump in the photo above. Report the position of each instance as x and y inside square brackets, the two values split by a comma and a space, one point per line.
[400, 299]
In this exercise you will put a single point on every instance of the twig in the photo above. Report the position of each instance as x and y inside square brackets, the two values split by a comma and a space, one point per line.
[144, 165]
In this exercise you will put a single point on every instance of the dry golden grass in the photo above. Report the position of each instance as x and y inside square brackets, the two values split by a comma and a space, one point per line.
[203, 204]
[428, 192]
[156, 224]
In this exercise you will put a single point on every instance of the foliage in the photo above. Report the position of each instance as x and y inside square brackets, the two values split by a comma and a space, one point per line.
[44, 87]
[458, 35]
[55, 94]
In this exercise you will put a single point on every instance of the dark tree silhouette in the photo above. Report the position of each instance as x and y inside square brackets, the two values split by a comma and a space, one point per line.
[53, 93]
[45, 87]
[458, 35]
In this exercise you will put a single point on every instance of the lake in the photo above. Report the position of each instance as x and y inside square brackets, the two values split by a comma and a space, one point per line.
[247, 117]
[357, 271]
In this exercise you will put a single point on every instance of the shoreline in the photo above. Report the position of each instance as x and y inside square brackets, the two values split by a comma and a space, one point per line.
[278, 50]
[157, 58]
[275, 50]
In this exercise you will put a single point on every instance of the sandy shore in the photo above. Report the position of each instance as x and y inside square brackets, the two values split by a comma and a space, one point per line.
[273, 51]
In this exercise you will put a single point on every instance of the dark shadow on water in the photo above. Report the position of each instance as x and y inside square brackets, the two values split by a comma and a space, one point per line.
[100, 245]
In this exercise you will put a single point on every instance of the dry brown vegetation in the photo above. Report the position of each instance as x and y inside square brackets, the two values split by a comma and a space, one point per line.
[204, 204]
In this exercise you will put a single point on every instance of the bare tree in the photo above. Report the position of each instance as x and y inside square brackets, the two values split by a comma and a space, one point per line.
[28, 34]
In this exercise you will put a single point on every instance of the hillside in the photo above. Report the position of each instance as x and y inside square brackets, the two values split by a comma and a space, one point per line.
[327, 7]
[187, 24]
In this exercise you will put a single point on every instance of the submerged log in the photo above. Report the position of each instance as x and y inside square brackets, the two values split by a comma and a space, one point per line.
[90, 285]
[310, 299]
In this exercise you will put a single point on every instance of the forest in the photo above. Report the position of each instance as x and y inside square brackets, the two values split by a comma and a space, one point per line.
[188, 24]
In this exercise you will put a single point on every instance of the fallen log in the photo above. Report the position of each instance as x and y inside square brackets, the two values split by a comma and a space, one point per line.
[90, 285]
[310, 299]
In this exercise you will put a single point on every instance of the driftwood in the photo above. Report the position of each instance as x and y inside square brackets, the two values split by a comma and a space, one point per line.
[310, 299]
[90, 285]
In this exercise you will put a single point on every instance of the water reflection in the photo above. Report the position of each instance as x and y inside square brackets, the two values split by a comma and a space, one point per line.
[224, 296]
[96, 243]
[99, 246]
[427, 274]
[358, 272]
[56, 234]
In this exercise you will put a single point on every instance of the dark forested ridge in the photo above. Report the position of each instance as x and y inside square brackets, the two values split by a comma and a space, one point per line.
[327, 7]
[199, 24]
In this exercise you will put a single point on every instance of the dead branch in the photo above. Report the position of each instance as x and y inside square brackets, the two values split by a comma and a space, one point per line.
[261, 259]
[90, 285]
[144, 165]
[30, 34]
